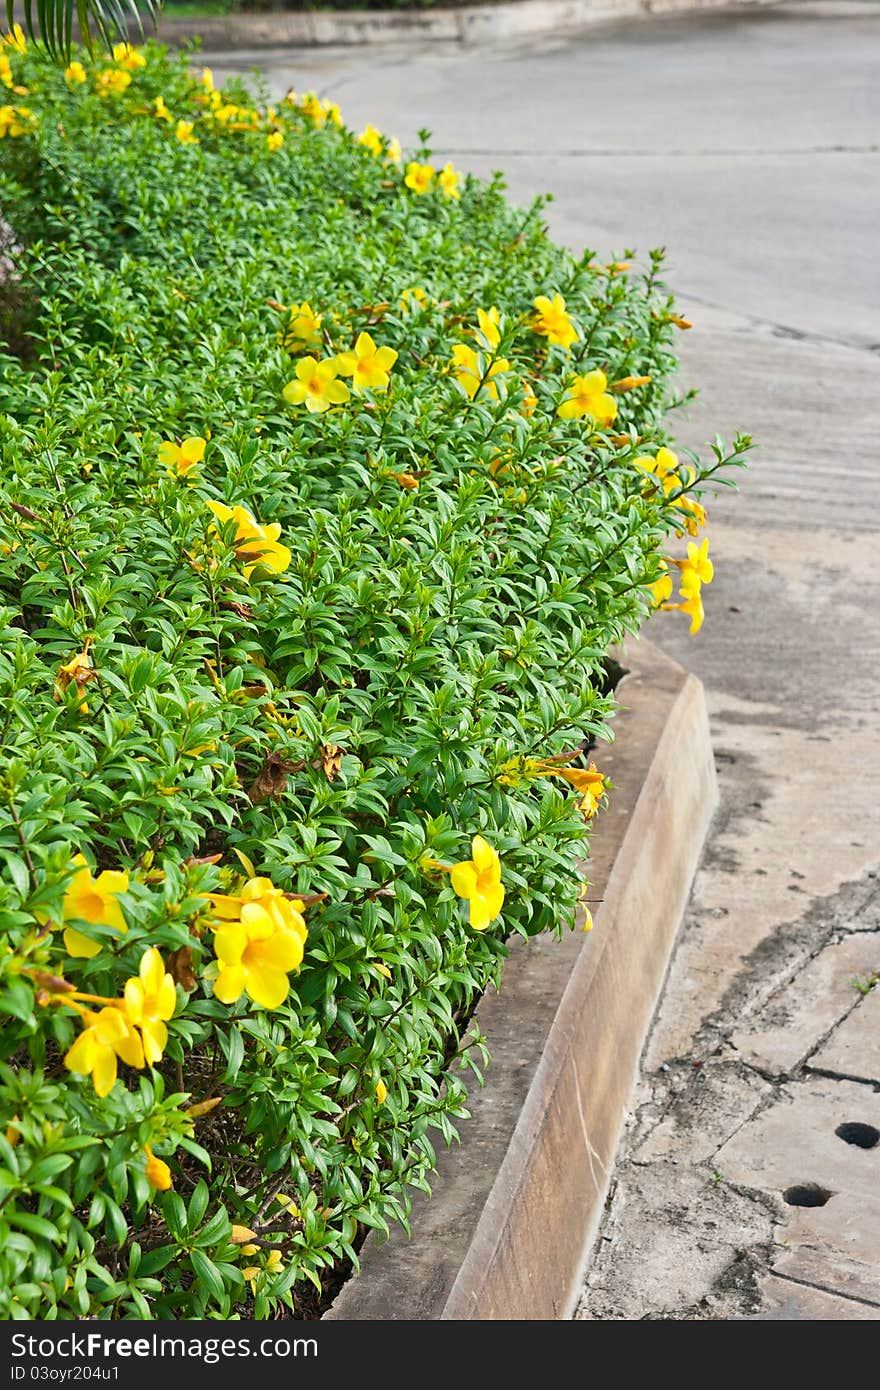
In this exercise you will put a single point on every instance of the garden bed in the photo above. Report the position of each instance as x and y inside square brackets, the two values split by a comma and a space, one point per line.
[327, 484]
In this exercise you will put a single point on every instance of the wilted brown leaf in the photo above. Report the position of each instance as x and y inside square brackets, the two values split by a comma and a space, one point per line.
[271, 780]
[331, 760]
[180, 968]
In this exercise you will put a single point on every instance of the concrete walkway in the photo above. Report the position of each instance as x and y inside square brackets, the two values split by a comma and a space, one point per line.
[748, 144]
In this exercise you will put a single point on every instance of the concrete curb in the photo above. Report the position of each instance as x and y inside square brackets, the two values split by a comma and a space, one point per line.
[469, 25]
[515, 1209]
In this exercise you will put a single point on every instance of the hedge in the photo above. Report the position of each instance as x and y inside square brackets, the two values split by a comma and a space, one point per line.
[328, 481]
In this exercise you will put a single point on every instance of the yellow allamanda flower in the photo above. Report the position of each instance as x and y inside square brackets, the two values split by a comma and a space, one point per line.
[470, 373]
[694, 514]
[665, 467]
[150, 999]
[182, 458]
[106, 1036]
[253, 543]
[696, 570]
[78, 671]
[692, 606]
[157, 1171]
[316, 385]
[95, 900]
[381, 1092]
[184, 133]
[128, 57]
[661, 588]
[75, 73]
[394, 152]
[262, 939]
[15, 39]
[6, 71]
[371, 139]
[413, 299]
[490, 326]
[588, 399]
[303, 328]
[160, 110]
[368, 365]
[448, 181]
[274, 140]
[112, 82]
[16, 121]
[478, 881]
[551, 321]
[419, 177]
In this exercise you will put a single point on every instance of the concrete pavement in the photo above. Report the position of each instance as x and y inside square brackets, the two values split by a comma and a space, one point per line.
[748, 144]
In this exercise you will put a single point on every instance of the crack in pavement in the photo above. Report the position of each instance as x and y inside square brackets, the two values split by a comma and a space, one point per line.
[824, 1288]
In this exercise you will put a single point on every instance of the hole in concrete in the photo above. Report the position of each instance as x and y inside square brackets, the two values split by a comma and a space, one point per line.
[806, 1194]
[863, 1136]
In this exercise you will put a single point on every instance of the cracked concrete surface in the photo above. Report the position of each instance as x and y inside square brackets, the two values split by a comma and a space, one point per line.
[746, 143]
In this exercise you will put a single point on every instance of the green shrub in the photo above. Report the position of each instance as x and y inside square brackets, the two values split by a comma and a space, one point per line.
[224, 729]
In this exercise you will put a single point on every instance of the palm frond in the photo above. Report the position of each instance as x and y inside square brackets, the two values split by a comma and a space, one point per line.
[99, 22]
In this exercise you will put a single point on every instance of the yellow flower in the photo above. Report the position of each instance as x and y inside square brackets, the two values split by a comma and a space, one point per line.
[588, 399]
[263, 937]
[6, 71]
[150, 999]
[107, 1035]
[316, 386]
[160, 110]
[157, 1171]
[470, 373]
[15, 39]
[112, 82]
[665, 467]
[371, 139]
[15, 121]
[254, 544]
[88, 899]
[274, 140]
[128, 57]
[368, 366]
[696, 570]
[413, 299]
[332, 112]
[75, 72]
[381, 1092]
[184, 133]
[694, 514]
[530, 401]
[693, 607]
[490, 326]
[661, 589]
[315, 109]
[479, 881]
[551, 321]
[629, 383]
[303, 328]
[394, 151]
[182, 458]
[207, 79]
[79, 670]
[419, 177]
[448, 181]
